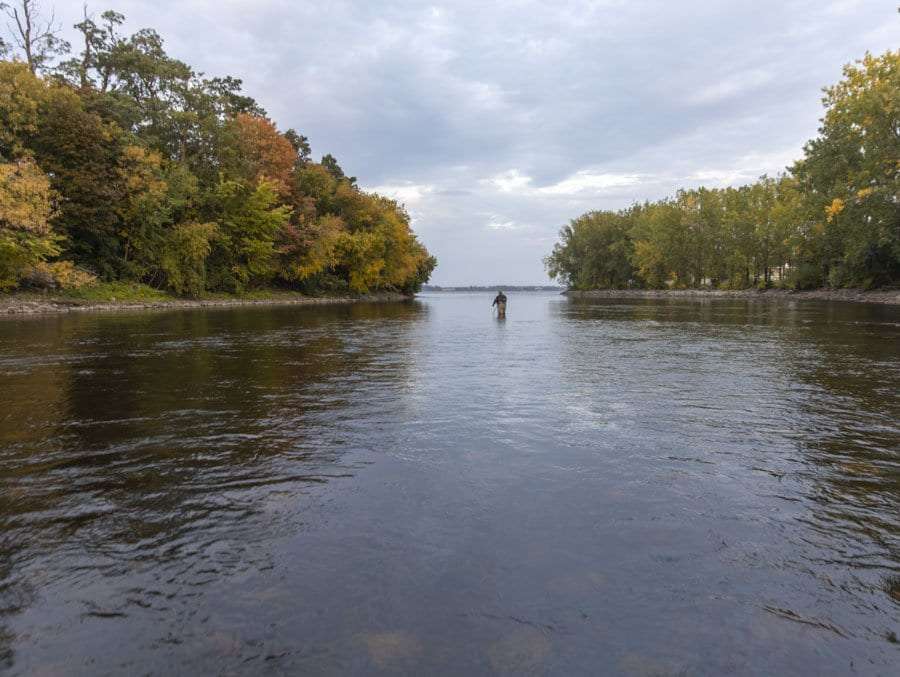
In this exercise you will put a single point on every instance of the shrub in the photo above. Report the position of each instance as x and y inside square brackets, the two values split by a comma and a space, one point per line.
[68, 276]
[57, 275]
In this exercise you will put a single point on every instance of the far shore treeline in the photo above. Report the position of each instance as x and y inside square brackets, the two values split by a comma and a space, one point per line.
[832, 220]
[121, 163]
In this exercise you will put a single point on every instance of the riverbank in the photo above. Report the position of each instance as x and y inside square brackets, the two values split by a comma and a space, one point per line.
[31, 303]
[885, 297]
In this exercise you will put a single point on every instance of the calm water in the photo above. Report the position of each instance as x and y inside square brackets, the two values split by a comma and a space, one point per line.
[636, 488]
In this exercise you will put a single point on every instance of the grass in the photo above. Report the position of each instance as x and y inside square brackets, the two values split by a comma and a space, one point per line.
[134, 292]
[255, 295]
[124, 292]
[110, 292]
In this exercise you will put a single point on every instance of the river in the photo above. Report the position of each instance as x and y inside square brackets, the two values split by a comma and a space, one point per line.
[634, 487]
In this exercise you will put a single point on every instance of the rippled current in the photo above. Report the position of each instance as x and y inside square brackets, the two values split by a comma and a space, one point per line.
[619, 487]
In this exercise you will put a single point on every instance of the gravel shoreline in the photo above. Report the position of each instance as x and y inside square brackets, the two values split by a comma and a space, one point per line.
[12, 305]
[884, 297]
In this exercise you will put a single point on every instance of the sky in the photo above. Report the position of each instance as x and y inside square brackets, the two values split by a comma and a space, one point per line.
[498, 122]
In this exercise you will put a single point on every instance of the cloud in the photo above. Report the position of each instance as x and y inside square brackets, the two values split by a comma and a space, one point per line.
[509, 181]
[409, 194]
[587, 181]
[584, 181]
[500, 122]
[497, 223]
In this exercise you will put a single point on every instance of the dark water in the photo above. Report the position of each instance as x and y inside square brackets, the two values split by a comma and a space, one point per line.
[636, 488]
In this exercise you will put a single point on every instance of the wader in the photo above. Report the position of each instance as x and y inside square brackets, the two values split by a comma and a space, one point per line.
[501, 309]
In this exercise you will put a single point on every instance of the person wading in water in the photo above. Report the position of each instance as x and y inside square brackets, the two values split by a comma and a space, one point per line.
[500, 302]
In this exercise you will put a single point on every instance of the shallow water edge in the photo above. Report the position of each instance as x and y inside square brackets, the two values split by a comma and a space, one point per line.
[13, 305]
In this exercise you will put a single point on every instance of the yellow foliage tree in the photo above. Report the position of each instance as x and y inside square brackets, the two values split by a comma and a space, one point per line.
[21, 94]
[26, 237]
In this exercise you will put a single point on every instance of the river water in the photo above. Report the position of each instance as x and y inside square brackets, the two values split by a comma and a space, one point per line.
[616, 487]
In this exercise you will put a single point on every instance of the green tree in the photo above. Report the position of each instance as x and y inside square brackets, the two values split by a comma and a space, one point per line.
[850, 173]
[596, 251]
[184, 256]
[330, 163]
[250, 221]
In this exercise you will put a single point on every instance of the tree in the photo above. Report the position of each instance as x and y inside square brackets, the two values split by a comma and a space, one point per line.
[186, 249]
[330, 163]
[160, 175]
[257, 151]
[21, 95]
[666, 255]
[250, 221]
[97, 39]
[426, 265]
[595, 252]
[81, 153]
[309, 249]
[37, 36]
[153, 83]
[300, 144]
[155, 195]
[26, 237]
[851, 175]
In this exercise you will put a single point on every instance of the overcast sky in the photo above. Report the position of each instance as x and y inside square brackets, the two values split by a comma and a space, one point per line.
[496, 122]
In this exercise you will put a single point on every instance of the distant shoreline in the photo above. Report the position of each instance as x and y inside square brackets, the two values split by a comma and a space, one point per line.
[883, 297]
[494, 288]
[33, 304]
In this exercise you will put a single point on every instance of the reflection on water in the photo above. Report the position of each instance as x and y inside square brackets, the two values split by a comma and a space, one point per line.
[640, 487]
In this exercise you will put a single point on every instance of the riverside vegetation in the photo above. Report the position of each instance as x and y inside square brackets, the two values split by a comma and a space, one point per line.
[123, 169]
[833, 219]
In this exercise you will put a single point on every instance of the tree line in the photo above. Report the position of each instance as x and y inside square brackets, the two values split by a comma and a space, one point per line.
[832, 219]
[120, 162]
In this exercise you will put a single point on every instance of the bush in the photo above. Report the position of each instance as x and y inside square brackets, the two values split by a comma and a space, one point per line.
[68, 276]
[837, 277]
[39, 277]
[804, 276]
[57, 275]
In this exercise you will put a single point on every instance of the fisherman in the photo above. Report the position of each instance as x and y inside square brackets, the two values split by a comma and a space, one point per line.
[500, 302]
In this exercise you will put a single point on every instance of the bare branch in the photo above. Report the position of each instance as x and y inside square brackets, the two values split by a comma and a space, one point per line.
[38, 38]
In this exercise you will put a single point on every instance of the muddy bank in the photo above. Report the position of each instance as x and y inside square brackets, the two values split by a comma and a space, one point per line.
[888, 297]
[37, 305]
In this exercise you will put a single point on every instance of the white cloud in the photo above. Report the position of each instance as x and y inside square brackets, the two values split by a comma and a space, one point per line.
[409, 194]
[509, 181]
[496, 223]
[587, 181]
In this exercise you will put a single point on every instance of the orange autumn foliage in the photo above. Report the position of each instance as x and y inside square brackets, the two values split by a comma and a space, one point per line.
[263, 152]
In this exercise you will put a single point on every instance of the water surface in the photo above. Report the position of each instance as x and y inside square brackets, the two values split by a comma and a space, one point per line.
[619, 487]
